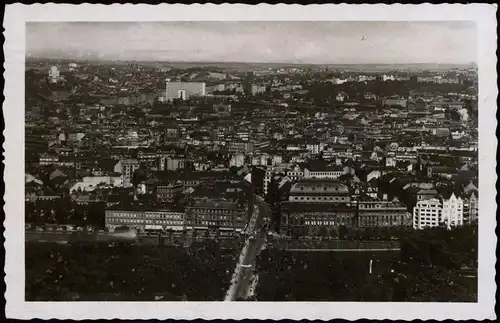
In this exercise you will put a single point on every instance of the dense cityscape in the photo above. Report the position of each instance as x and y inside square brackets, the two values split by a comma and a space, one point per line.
[235, 181]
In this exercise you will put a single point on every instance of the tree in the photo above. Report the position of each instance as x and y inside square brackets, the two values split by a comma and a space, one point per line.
[122, 228]
[343, 232]
[296, 233]
[96, 214]
[323, 232]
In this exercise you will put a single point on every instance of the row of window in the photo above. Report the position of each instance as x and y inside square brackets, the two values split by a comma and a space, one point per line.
[427, 211]
[164, 216]
[218, 223]
[318, 198]
[126, 215]
[140, 221]
[316, 215]
[320, 223]
[147, 215]
[325, 173]
[220, 211]
[381, 217]
[293, 221]
[428, 218]
[335, 188]
[378, 206]
[215, 217]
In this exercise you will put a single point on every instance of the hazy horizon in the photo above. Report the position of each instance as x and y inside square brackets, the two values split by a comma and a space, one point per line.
[308, 43]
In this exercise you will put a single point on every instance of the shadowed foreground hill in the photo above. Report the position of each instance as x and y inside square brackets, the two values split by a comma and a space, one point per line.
[433, 266]
[97, 271]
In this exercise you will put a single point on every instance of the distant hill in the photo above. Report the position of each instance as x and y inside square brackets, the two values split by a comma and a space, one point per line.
[242, 66]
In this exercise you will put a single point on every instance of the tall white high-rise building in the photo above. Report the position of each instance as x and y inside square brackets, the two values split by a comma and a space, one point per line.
[427, 214]
[453, 212]
[184, 90]
[53, 74]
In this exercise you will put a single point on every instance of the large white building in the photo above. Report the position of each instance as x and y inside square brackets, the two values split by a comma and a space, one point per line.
[453, 212]
[432, 213]
[54, 74]
[184, 90]
[427, 214]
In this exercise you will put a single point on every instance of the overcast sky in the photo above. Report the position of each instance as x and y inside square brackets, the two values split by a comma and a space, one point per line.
[273, 42]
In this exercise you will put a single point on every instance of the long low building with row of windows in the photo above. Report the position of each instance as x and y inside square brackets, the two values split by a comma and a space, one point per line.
[144, 219]
[215, 216]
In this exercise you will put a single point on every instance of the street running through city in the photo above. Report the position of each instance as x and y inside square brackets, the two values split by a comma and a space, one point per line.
[244, 273]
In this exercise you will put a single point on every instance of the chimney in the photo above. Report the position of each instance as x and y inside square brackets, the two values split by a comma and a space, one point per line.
[384, 197]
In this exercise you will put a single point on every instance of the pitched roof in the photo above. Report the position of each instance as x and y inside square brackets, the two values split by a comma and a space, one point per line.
[470, 188]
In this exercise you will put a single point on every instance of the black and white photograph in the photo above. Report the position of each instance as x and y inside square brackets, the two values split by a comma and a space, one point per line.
[253, 161]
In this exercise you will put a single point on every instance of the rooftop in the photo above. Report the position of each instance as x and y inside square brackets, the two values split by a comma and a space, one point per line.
[319, 185]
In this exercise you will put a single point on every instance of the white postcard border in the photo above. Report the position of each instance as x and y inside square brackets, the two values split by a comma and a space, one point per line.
[17, 14]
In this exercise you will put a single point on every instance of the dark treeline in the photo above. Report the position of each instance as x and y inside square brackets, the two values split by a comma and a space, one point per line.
[323, 92]
[433, 265]
[127, 272]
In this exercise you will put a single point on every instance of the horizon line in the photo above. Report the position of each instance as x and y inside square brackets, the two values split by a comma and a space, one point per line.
[243, 62]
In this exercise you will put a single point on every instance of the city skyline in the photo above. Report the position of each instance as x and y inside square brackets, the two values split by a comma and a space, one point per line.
[285, 42]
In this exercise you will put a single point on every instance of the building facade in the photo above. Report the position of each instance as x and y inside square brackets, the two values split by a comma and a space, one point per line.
[184, 90]
[141, 220]
[427, 214]
[127, 167]
[325, 173]
[90, 183]
[169, 192]
[216, 216]
[383, 214]
[316, 203]
[452, 214]
[53, 74]
[473, 206]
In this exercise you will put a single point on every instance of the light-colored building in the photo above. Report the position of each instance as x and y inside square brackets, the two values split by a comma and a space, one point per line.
[53, 74]
[473, 208]
[237, 160]
[452, 214]
[46, 160]
[255, 89]
[324, 173]
[90, 183]
[141, 219]
[184, 90]
[127, 167]
[175, 164]
[427, 214]
[295, 174]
